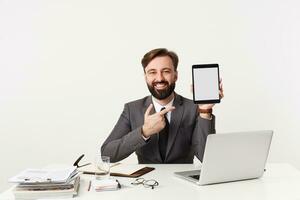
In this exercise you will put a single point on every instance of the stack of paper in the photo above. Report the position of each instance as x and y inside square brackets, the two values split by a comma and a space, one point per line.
[39, 183]
[45, 175]
[105, 185]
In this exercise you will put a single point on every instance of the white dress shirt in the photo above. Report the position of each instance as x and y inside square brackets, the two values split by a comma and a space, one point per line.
[158, 107]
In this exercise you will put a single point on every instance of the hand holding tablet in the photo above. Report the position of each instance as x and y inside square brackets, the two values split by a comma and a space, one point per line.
[206, 83]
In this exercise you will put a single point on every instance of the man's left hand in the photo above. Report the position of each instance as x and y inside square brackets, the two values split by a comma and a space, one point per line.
[210, 106]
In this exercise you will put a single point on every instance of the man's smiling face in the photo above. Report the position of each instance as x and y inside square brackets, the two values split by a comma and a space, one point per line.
[161, 77]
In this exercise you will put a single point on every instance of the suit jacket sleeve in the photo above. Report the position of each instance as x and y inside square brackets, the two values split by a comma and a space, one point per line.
[122, 141]
[203, 128]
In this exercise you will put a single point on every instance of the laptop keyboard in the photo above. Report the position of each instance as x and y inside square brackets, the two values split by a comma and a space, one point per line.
[195, 177]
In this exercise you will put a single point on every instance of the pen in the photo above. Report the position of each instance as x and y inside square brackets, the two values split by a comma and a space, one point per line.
[89, 187]
[119, 185]
[93, 173]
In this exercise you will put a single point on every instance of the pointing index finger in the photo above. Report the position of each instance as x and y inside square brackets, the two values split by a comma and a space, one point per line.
[168, 109]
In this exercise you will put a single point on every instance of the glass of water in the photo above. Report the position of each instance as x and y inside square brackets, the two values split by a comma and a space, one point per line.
[102, 164]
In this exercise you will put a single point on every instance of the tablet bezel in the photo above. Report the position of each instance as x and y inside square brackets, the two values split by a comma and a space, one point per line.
[207, 101]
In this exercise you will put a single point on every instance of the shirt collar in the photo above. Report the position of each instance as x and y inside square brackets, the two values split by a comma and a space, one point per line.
[158, 107]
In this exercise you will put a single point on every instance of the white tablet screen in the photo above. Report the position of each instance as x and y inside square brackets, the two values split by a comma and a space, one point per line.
[206, 83]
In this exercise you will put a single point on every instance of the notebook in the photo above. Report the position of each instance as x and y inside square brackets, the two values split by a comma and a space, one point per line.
[119, 169]
[232, 157]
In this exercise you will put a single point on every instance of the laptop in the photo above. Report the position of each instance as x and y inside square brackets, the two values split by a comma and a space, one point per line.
[232, 157]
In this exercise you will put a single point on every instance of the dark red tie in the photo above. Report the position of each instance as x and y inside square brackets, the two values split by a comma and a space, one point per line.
[163, 138]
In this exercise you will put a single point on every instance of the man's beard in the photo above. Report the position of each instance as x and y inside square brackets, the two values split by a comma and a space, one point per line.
[161, 94]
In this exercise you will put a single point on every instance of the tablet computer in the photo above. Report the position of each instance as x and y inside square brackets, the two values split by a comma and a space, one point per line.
[206, 83]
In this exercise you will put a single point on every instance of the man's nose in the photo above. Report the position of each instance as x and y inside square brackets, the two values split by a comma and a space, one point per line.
[160, 77]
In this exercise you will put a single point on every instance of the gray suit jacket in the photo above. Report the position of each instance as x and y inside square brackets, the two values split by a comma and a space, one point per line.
[187, 134]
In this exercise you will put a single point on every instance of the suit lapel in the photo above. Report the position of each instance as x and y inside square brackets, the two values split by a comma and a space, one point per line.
[176, 118]
[148, 101]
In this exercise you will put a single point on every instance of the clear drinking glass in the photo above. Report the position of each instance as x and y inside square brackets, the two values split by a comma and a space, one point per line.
[102, 164]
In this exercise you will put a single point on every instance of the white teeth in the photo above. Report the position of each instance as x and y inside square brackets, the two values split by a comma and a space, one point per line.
[160, 86]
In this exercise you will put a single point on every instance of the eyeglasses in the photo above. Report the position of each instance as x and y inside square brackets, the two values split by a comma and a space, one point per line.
[146, 183]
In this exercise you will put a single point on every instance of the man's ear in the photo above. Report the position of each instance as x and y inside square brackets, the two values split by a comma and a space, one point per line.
[176, 75]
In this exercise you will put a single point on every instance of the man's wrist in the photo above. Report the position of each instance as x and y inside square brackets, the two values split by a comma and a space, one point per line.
[205, 116]
[145, 138]
[205, 111]
[144, 134]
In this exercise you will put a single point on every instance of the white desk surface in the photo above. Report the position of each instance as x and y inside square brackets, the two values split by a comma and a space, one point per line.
[280, 181]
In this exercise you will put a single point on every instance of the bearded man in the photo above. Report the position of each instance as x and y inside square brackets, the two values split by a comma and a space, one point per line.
[164, 127]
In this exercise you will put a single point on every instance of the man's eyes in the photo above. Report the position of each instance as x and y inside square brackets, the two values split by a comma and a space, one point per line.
[154, 72]
[151, 72]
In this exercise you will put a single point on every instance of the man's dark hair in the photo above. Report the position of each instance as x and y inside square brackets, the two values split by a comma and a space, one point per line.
[158, 53]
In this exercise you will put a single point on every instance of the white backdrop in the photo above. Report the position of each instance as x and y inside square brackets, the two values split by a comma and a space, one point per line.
[67, 67]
